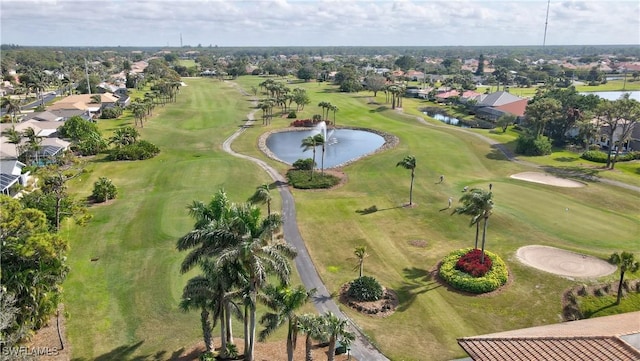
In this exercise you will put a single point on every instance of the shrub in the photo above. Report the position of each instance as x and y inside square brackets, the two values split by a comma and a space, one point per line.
[595, 156]
[292, 115]
[301, 179]
[111, 113]
[207, 356]
[305, 122]
[304, 164]
[365, 288]
[137, 151]
[103, 190]
[529, 145]
[470, 263]
[492, 280]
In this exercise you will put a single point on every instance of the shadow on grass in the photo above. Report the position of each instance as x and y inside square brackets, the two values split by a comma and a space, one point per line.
[580, 173]
[595, 312]
[374, 209]
[379, 109]
[565, 159]
[418, 281]
[121, 353]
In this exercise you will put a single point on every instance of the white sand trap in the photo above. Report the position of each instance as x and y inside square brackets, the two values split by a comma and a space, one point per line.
[548, 179]
[564, 263]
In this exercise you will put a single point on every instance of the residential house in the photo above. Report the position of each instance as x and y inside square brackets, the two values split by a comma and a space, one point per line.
[492, 106]
[11, 176]
[614, 337]
[85, 103]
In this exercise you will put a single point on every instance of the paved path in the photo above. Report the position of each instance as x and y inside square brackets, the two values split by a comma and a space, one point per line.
[361, 348]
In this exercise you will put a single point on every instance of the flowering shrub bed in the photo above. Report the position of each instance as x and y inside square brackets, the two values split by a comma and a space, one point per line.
[307, 122]
[492, 280]
[471, 263]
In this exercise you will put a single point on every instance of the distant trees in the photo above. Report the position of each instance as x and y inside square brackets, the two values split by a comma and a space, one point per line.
[375, 83]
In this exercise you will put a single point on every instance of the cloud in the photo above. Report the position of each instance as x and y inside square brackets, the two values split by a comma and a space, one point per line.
[317, 22]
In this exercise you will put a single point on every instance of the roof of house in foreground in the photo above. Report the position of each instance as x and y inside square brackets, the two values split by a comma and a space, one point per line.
[603, 338]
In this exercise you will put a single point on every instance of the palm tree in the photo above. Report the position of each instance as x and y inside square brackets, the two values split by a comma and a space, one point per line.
[313, 327]
[336, 328]
[249, 249]
[12, 107]
[325, 107]
[198, 295]
[334, 109]
[262, 195]
[409, 162]
[319, 139]
[361, 253]
[124, 136]
[33, 142]
[471, 206]
[627, 263]
[14, 137]
[310, 143]
[284, 301]
[485, 202]
[96, 99]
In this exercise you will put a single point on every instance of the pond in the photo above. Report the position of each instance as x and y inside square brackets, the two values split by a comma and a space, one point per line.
[615, 95]
[443, 117]
[343, 146]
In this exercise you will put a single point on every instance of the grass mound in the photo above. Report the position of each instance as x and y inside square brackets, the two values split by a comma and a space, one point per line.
[492, 280]
[302, 179]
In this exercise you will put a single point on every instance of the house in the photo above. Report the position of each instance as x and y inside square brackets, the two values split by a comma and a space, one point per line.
[494, 105]
[614, 337]
[46, 130]
[11, 175]
[84, 102]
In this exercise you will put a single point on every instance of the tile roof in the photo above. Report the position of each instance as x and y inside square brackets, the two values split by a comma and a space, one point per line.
[516, 108]
[600, 338]
[549, 348]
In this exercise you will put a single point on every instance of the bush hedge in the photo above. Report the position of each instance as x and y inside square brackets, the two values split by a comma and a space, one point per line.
[365, 288]
[137, 151]
[601, 157]
[492, 280]
[302, 179]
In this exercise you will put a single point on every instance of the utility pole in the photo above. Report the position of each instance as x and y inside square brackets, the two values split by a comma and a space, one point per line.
[546, 21]
[86, 73]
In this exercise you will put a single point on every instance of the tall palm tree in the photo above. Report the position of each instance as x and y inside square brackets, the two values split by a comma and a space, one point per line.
[334, 109]
[336, 328]
[361, 253]
[627, 263]
[481, 202]
[12, 107]
[262, 195]
[409, 162]
[14, 137]
[124, 136]
[471, 206]
[319, 139]
[310, 143]
[256, 257]
[283, 301]
[198, 295]
[314, 329]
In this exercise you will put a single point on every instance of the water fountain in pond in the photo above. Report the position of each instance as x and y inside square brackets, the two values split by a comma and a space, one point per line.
[321, 128]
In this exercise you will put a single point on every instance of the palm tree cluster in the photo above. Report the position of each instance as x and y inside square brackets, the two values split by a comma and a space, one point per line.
[234, 248]
[478, 204]
[238, 258]
[312, 142]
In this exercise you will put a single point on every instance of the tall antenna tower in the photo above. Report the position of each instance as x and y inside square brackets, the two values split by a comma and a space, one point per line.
[181, 40]
[546, 21]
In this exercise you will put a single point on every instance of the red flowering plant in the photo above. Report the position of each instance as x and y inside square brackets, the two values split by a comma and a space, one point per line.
[470, 263]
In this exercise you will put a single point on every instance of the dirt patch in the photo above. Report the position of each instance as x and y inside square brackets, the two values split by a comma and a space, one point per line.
[420, 243]
[564, 263]
[548, 179]
[50, 340]
[381, 308]
[265, 351]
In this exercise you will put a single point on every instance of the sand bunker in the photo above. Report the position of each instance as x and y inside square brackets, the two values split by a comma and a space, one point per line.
[564, 263]
[544, 178]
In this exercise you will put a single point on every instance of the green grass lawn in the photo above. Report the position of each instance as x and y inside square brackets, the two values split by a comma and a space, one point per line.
[126, 302]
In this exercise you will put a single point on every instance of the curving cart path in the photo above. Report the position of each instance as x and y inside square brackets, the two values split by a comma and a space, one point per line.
[361, 348]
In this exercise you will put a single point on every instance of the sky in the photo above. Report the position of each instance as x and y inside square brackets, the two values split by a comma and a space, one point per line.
[318, 22]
